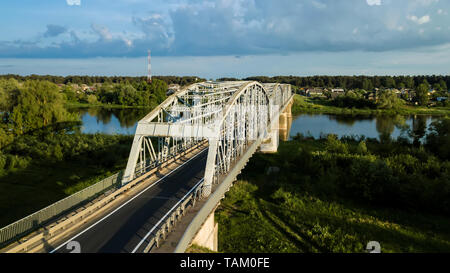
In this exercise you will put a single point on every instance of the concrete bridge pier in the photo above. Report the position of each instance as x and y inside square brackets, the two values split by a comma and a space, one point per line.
[207, 236]
[280, 129]
[285, 123]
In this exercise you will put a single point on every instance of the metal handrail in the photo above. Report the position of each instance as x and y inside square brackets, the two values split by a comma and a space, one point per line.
[171, 217]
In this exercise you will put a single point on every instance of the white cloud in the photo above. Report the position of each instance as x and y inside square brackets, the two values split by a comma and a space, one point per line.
[422, 20]
[73, 2]
[373, 2]
[102, 32]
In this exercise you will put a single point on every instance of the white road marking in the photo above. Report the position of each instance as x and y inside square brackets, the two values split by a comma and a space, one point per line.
[159, 222]
[114, 211]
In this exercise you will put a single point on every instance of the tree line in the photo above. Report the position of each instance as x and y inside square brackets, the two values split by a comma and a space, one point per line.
[437, 82]
[89, 80]
[124, 93]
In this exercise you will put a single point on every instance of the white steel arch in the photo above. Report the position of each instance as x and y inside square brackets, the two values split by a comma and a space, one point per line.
[230, 115]
[246, 118]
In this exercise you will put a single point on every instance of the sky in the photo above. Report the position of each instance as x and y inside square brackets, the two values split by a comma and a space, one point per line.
[225, 38]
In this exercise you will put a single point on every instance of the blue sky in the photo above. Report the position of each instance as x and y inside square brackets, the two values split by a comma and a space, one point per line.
[225, 38]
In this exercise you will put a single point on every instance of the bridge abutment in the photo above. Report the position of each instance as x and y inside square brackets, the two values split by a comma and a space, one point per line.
[207, 236]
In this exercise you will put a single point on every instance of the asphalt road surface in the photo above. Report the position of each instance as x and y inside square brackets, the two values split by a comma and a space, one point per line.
[123, 230]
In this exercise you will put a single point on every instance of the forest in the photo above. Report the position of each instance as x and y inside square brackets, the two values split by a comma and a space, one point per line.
[437, 82]
[90, 80]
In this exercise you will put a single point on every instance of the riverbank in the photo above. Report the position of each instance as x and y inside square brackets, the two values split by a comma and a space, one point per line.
[335, 196]
[304, 104]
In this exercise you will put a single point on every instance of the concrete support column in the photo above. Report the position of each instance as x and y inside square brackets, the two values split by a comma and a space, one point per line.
[282, 121]
[285, 123]
[207, 236]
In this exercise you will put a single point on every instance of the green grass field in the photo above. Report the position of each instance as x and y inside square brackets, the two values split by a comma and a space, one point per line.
[288, 212]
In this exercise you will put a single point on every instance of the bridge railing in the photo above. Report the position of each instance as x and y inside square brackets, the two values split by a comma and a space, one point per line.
[167, 222]
[37, 219]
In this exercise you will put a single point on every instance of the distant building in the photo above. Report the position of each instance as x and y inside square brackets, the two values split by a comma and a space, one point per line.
[314, 92]
[337, 90]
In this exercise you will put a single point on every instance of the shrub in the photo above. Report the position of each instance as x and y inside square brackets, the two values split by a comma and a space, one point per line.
[333, 145]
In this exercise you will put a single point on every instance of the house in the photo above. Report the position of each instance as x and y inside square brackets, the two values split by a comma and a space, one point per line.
[314, 92]
[337, 90]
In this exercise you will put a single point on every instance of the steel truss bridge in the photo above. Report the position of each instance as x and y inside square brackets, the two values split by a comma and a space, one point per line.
[229, 115]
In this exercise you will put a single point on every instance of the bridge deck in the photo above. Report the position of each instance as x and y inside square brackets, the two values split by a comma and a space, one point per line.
[123, 230]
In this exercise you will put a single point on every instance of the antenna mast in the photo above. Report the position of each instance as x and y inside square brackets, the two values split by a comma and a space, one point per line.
[149, 75]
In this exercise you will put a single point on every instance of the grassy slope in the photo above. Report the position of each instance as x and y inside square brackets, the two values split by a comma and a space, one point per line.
[308, 105]
[26, 190]
[264, 213]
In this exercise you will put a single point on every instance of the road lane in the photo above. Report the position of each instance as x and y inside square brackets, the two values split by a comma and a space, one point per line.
[124, 229]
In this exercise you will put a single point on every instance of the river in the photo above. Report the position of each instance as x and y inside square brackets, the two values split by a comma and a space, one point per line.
[124, 121]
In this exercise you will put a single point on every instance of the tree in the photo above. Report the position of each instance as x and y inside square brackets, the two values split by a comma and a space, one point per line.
[437, 87]
[69, 93]
[443, 86]
[158, 89]
[389, 100]
[91, 99]
[438, 141]
[8, 94]
[389, 82]
[409, 82]
[37, 104]
[327, 93]
[422, 94]
[367, 85]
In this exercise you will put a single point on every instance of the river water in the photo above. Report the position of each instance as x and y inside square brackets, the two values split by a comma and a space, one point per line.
[124, 121]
